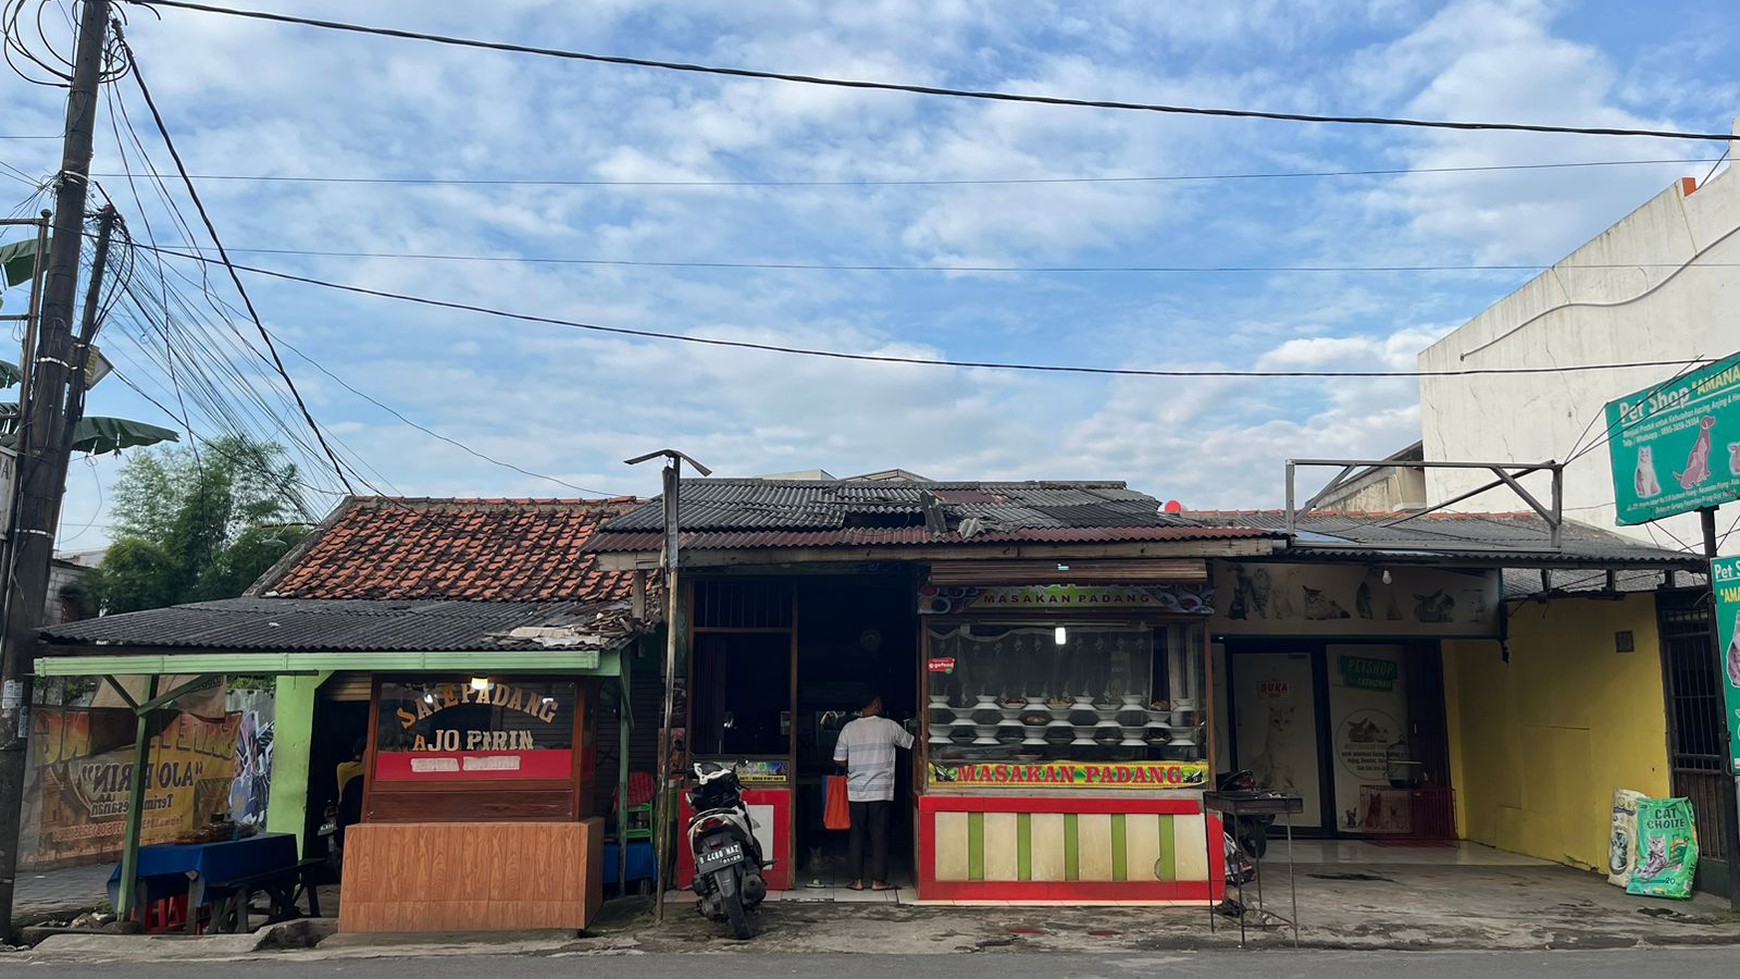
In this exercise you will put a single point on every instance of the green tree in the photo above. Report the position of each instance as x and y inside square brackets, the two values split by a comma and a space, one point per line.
[193, 525]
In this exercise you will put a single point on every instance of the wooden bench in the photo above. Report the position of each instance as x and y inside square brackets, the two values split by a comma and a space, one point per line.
[230, 899]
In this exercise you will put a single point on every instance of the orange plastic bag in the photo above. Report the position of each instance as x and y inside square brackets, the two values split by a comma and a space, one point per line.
[837, 810]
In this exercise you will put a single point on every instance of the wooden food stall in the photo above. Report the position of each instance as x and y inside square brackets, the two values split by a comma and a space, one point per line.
[477, 807]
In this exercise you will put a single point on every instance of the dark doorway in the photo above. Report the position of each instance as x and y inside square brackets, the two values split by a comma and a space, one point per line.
[857, 636]
[742, 697]
[340, 731]
[1697, 755]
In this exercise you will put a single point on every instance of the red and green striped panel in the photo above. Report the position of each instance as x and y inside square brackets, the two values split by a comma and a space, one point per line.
[1041, 846]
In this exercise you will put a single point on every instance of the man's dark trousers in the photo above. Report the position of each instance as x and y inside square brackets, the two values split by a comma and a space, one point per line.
[869, 819]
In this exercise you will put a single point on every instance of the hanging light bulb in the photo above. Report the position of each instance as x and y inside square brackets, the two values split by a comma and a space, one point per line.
[1061, 634]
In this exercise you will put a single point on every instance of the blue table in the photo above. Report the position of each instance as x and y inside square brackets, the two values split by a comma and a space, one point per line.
[190, 868]
[640, 861]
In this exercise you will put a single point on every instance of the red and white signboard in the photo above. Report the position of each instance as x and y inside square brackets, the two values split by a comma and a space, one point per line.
[472, 766]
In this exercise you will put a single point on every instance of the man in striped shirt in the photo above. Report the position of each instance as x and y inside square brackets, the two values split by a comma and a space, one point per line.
[867, 749]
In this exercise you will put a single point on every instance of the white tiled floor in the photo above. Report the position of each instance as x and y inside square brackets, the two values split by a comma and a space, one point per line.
[842, 895]
[830, 887]
[1458, 854]
[827, 889]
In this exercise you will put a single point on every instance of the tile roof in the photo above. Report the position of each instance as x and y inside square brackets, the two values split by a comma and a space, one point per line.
[313, 625]
[1496, 538]
[479, 550]
[732, 514]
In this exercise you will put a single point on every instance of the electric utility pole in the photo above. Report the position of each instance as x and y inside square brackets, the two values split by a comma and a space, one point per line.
[665, 809]
[42, 446]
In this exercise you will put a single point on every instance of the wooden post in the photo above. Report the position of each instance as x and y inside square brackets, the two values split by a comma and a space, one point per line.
[42, 458]
[136, 806]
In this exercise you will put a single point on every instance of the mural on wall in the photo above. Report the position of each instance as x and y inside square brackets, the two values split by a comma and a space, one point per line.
[251, 787]
[210, 761]
[80, 783]
[1346, 600]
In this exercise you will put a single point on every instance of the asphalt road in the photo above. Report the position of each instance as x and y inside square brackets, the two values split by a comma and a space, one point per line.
[1683, 963]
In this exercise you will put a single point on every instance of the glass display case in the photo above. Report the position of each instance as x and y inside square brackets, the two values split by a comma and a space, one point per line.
[1091, 691]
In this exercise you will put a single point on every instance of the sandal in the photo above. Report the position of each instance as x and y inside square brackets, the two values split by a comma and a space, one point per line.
[856, 885]
[884, 887]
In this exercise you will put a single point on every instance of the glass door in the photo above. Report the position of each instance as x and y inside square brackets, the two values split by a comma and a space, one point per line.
[1276, 726]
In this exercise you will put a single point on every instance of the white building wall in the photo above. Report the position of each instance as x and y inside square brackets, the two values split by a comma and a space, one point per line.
[1661, 285]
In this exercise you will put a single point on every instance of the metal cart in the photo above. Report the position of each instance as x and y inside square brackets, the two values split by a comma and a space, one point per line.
[1233, 805]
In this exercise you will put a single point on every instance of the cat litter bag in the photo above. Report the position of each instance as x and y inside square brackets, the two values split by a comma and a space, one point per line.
[1622, 841]
[1667, 849]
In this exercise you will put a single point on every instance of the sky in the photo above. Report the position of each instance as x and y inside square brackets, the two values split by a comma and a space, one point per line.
[778, 173]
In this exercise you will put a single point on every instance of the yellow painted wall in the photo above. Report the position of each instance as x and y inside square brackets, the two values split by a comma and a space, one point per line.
[1538, 745]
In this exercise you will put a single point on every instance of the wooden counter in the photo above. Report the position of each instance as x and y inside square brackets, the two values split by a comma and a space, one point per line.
[455, 876]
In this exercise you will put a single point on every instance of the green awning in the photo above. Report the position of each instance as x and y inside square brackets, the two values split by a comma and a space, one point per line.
[579, 662]
[98, 434]
[18, 261]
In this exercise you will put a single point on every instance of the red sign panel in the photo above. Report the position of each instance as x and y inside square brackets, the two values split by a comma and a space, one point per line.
[472, 766]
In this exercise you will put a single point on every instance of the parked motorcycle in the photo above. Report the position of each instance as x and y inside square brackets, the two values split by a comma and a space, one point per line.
[328, 833]
[728, 860]
[1251, 832]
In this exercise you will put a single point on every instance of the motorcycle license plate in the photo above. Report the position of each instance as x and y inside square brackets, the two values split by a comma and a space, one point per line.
[725, 856]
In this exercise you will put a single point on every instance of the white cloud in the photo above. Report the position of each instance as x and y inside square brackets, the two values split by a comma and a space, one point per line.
[244, 97]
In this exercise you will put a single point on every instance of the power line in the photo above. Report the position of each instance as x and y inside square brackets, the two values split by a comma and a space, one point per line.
[959, 93]
[893, 359]
[921, 182]
[205, 365]
[389, 409]
[196, 356]
[945, 269]
[211, 230]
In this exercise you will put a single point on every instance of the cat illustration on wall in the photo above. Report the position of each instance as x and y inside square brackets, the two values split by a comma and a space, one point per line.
[1648, 487]
[1734, 458]
[1697, 469]
[1319, 606]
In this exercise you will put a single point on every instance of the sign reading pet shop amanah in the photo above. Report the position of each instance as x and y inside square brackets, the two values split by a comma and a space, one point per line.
[1725, 578]
[1676, 445]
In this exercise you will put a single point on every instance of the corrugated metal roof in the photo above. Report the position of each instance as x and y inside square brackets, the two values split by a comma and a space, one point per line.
[731, 514]
[1492, 537]
[349, 625]
[742, 504]
[1521, 583]
[733, 540]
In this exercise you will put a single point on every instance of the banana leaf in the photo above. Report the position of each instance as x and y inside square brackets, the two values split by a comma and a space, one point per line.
[9, 374]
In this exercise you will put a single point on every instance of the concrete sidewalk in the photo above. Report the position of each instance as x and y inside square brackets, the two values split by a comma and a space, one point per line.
[42, 895]
[1408, 906]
